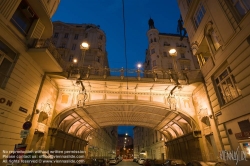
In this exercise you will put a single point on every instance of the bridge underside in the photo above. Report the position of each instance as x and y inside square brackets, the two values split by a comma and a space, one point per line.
[114, 103]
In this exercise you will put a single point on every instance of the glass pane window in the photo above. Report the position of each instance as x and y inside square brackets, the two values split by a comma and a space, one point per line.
[242, 6]
[199, 15]
[66, 35]
[23, 17]
[227, 87]
[152, 51]
[7, 58]
[76, 36]
[154, 63]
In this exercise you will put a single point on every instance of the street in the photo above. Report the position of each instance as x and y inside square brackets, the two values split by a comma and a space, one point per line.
[128, 162]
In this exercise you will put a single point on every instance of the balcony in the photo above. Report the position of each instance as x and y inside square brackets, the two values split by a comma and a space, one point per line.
[44, 53]
[40, 127]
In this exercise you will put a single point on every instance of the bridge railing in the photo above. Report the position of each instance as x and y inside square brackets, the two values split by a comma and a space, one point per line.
[180, 76]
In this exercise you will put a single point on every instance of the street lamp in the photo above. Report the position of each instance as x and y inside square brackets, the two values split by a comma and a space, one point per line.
[84, 47]
[138, 71]
[75, 60]
[173, 54]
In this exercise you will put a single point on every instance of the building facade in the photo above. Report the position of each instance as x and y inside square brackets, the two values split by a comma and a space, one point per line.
[124, 146]
[219, 35]
[149, 143]
[67, 37]
[29, 92]
[22, 22]
[194, 144]
[158, 57]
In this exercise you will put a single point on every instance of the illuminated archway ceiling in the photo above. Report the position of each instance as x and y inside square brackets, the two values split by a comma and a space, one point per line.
[102, 113]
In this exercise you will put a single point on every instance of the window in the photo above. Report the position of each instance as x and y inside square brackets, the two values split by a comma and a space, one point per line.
[170, 66]
[182, 55]
[100, 37]
[166, 44]
[66, 35]
[244, 125]
[242, 6]
[189, 1]
[199, 15]
[56, 35]
[23, 17]
[152, 51]
[63, 45]
[151, 40]
[227, 87]
[165, 54]
[76, 36]
[7, 58]
[154, 63]
[100, 47]
[154, 39]
[73, 47]
[71, 58]
[86, 35]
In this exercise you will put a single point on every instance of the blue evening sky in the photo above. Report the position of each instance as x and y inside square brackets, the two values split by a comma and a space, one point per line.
[109, 15]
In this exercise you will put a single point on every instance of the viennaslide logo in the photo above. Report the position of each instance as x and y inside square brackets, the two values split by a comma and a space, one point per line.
[233, 155]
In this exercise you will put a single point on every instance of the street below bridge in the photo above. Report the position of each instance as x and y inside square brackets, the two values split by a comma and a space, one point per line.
[127, 162]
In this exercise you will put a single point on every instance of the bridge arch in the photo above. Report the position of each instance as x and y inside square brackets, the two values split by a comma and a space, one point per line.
[81, 121]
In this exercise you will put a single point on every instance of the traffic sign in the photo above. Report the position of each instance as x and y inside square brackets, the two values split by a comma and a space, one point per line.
[24, 133]
[27, 125]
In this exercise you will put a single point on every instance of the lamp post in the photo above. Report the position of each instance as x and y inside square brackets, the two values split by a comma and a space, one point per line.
[138, 71]
[173, 54]
[84, 47]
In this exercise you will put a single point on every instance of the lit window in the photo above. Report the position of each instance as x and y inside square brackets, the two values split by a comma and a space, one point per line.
[23, 17]
[7, 58]
[227, 87]
[199, 15]
[242, 6]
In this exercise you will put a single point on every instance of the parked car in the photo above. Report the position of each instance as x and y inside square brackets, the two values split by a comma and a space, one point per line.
[174, 162]
[202, 163]
[197, 163]
[103, 162]
[113, 161]
[148, 162]
[140, 161]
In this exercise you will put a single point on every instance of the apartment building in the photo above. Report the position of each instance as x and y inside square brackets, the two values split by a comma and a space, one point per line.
[219, 35]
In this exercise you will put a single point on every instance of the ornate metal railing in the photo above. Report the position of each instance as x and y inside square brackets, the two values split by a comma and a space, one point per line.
[47, 43]
[180, 76]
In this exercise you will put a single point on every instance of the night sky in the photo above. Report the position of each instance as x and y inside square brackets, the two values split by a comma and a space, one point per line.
[109, 15]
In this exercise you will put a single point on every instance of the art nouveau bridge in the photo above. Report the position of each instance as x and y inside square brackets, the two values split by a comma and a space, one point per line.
[160, 104]
[70, 110]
